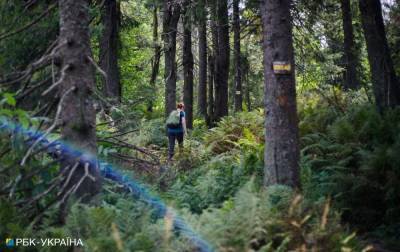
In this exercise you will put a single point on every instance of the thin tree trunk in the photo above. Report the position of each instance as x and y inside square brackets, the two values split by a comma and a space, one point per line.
[202, 88]
[187, 65]
[210, 90]
[351, 80]
[171, 13]
[385, 82]
[238, 68]
[245, 73]
[281, 124]
[248, 99]
[222, 58]
[109, 50]
[156, 60]
[78, 118]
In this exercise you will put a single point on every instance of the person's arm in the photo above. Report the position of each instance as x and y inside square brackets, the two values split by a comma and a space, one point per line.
[184, 125]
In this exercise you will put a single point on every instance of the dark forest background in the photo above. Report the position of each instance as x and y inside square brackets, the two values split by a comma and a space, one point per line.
[292, 109]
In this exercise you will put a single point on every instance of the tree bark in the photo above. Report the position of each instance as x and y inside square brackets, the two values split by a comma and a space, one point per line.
[187, 65]
[281, 124]
[109, 50]
[171, 15]
[245, 74]
[210, 90]
[155, 64]
[236, 52]
[212, 61]
[384, 79]
[350, 75]
[202, 88]
[78, 116]
[222, 61]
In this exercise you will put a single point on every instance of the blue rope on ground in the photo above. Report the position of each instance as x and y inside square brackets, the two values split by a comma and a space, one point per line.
[137, 190]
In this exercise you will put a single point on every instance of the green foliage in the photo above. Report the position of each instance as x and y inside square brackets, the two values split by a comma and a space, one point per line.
[200, 189]
[152, 132]
[355, 160]
[117, 224]
[216, 180]
[17, 51]
[199, 129]
[349, 152]
[319, 41]
[191, 156]
[135, 56]
[393, 33]
[16, 181]
[10, 218]
[232, 132]
[272, 220]
[211, 172]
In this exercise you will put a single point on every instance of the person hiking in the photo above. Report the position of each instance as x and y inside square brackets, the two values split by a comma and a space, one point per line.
[176, 128]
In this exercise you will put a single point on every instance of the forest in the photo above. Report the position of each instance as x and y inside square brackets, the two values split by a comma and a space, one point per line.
[200, 125]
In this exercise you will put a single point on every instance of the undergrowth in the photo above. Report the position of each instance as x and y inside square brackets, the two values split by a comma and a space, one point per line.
[350, 172]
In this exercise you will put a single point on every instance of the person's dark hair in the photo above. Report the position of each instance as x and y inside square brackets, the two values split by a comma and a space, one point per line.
[180, 105]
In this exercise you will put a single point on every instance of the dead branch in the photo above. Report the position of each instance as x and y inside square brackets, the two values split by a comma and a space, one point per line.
[62, 77]
[123, 144]
[75, 187]
[22, 94]
[3, 153]
[55, 124]
[86, 175]
[100, 96]
[27, 176]
[46, 109]
[66, 195]
[132, 159]
[27, 26]
[38, 217]
[47, 146]
[68, 178]
[44, 61]
[98, 68]
[110, 122]
[121, 134]
[53, 183]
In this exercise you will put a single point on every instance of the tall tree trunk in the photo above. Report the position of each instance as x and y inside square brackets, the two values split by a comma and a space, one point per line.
[245, 73]
[109, 50]
[385, 82]
[171, 13]
[248, 98]
[222, 58]
[351, 80]
[210, 90]
[187, 65]
[202, 88]
[236, 52]
[281, 124]
[77, 115]
[155, 64]
[213, 63]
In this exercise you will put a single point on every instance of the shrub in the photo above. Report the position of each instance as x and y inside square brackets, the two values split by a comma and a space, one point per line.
[356, 161]
[152, 132]
[232, 131]
[118, 224]
[217, 179]
[275, 219]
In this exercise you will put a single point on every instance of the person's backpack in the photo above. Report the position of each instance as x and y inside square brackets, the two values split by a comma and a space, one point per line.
[174, 119]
